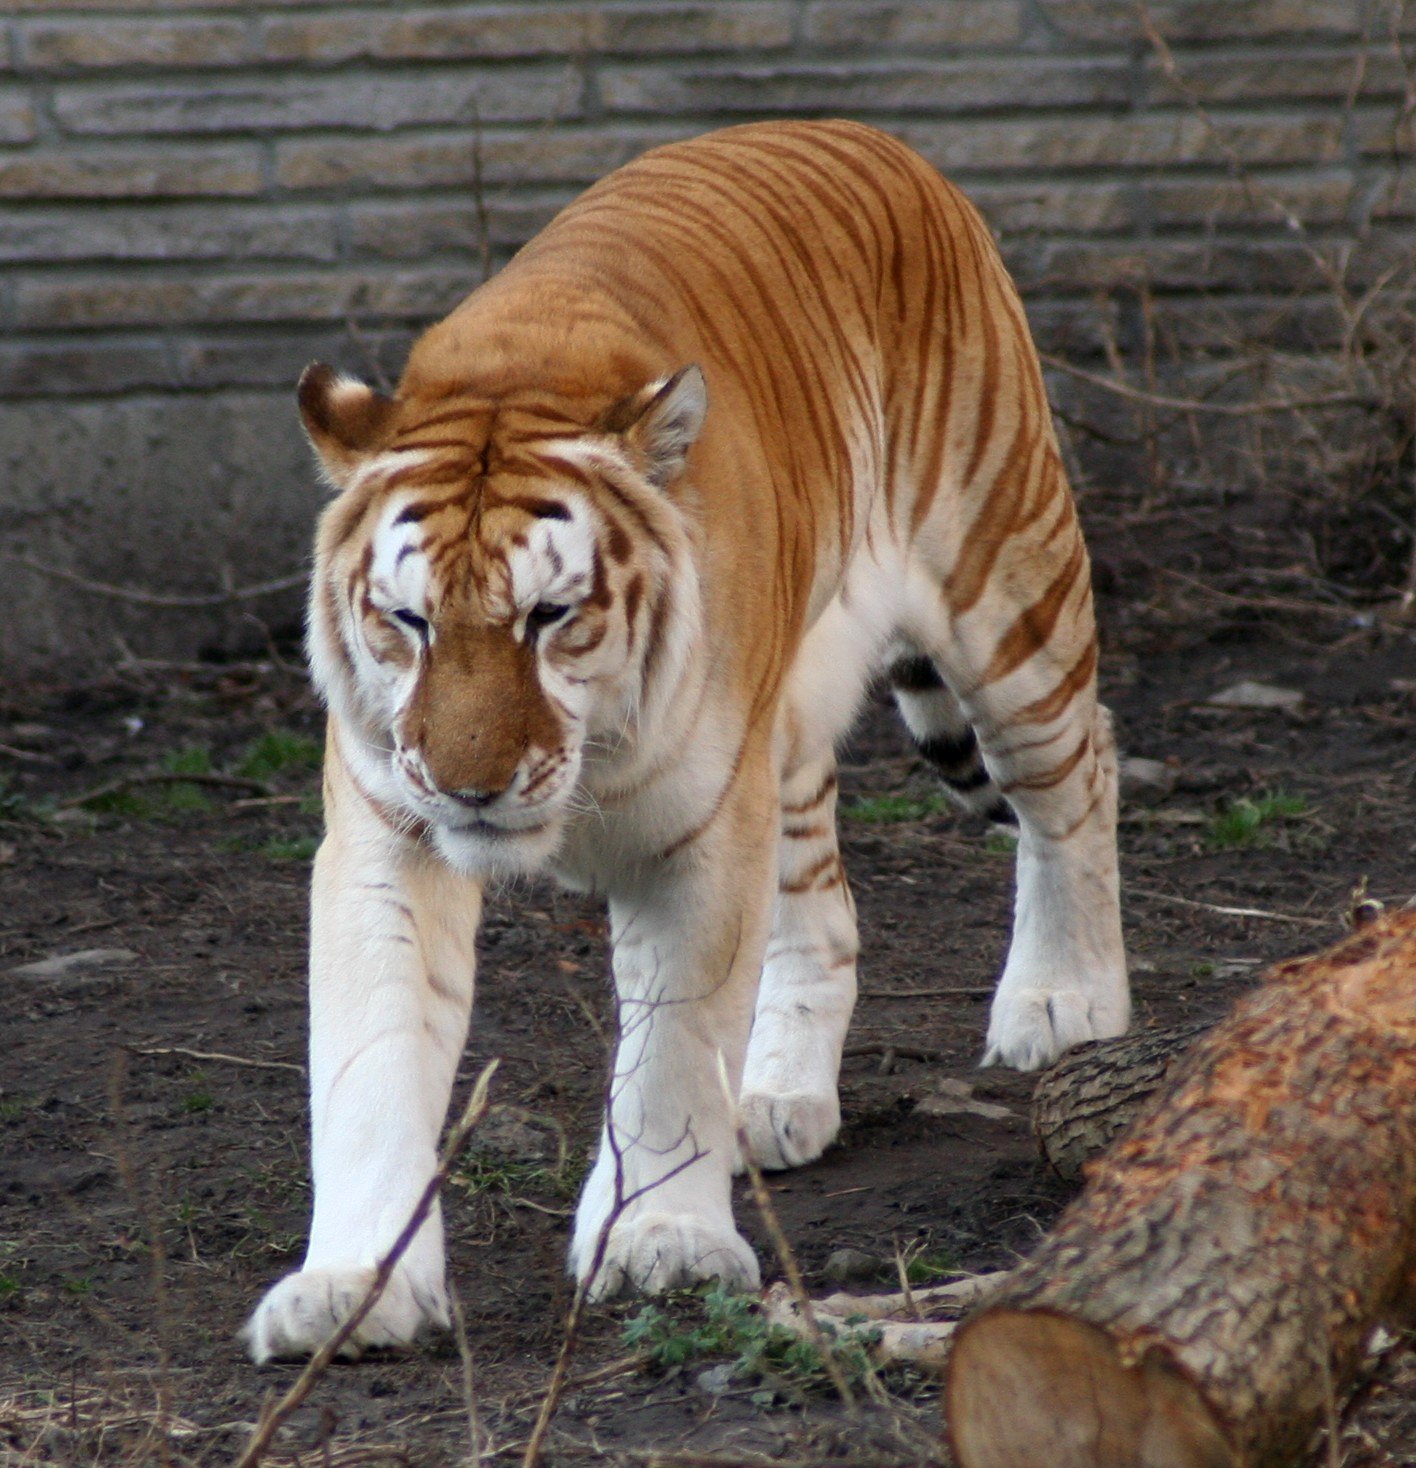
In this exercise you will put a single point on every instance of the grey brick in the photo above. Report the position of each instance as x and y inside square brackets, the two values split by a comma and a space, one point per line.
[109, 301]
[1116, 22]
[451, 33]
[481, 32]
[1150, 140]
[869, 25]
[275, 358]
[1051, 208]
[746, 25]
[114, 232]
[866, 87]
[418, 231]
[297, 102]
[94, 43]
[114, 173]
[17, 118]
[442, 160]
[1235, 265]
[1329, 74]
[81, 368]
[1257, 203]
[96, 7]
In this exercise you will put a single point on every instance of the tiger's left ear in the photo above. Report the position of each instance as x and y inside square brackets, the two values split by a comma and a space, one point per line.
[345, 419]
[661, 421]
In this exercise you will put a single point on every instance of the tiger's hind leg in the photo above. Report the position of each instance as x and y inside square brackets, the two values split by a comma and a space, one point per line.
[789, 1103]
[1024, 672]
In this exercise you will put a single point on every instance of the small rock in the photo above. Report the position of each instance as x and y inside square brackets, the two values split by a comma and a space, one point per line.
[1147, 781]
[846, 1266]
[716, 1380]
[61, 966]
[1251, 695]
[515, 1134]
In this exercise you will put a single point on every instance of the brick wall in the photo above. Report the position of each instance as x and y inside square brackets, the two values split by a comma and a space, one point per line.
[199, 196]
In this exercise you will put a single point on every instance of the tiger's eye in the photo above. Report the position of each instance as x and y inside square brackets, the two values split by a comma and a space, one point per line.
[413, 620]
[545, 614]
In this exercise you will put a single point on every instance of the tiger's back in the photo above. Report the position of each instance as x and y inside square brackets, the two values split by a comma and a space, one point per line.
[865, 352]
[609, 575]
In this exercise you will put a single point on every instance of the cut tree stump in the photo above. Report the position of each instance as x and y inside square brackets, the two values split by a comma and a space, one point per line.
[1206, 1299]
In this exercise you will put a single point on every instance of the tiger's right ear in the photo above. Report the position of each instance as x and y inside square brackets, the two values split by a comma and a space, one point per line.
[345, 419]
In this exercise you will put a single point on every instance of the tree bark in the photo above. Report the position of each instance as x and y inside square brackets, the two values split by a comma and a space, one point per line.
[1084, 1102]
[1207, 1298]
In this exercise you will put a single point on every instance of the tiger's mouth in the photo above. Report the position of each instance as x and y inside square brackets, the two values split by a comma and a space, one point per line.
[478, 847]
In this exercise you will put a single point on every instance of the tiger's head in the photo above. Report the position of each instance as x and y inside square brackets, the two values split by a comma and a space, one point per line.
[501, 597]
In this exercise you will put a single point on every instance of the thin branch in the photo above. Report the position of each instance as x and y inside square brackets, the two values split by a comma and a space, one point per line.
[1241, 912]
[319, 1363]
[216, 1056]
[1200, 405]
[770, 1221]
[139, 597]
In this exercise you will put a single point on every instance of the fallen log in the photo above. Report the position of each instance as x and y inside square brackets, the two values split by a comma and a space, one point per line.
[1205, 1302]
[1084, 1102]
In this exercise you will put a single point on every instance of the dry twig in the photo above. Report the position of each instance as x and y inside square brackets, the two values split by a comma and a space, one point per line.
[142, 598]
[319, 1363]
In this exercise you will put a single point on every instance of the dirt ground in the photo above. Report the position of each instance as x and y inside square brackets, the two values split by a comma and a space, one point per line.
[152, 1115]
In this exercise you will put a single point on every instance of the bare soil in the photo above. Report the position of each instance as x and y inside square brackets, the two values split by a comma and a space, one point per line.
[152, 1115]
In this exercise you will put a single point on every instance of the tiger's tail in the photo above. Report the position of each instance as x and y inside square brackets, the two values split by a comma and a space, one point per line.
[945, 738]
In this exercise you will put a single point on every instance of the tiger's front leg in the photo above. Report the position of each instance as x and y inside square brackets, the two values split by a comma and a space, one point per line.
[391, 972]
[656, 1211]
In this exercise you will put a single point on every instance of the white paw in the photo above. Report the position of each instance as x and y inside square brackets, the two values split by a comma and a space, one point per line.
[1030, 1028]
[299, 1314]
[656, 1252]
[788, 1130]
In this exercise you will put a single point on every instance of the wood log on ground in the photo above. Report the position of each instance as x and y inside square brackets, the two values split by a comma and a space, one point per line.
[1084, 1102]
[1206, 1299]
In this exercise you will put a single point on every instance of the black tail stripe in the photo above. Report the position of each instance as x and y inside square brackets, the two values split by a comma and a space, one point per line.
[915, 675]
[949, 751]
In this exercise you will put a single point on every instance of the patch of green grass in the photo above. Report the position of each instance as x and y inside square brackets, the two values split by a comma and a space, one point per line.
[130, 804]
[12, 1108]
[494, 1173]
[195, 760]
[880, 810]
[733, 1327]
[9, 1285]
[291, 848]
[278, 751]
[1001, 841]
[1250, 821]
[81, 1284]
[928, 1265]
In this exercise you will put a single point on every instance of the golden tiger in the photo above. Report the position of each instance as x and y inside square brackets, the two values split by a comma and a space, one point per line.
[605, 581]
